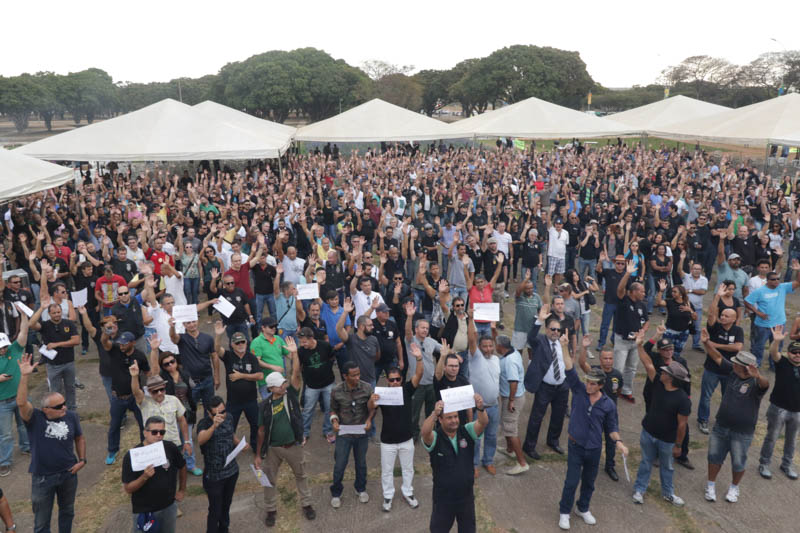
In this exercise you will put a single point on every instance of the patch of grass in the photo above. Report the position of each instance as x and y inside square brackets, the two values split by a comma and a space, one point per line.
[680, 517]
[195, 490]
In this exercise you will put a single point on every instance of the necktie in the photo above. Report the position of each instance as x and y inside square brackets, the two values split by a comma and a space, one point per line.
[556, 366]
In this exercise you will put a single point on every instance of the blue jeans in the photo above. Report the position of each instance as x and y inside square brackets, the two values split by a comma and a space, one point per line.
[261, 299]
[118, 409]
[698, 325]
[707, 387]
[463, 368]
[585, 265]
[191, 460]
[250, 411]
[757, 342]
[653, 448]
[723, 441]
[488, 438]
[44, 489]
[310, 399]
[107, 386]
[240, 327]
[459, 292]
[191, 289]
[8, 410]
[341, 357]
[203, 391]
[609, 310]
[342, 454]
[678, 339]
[582, 466]
[166, 519]
[483, 328]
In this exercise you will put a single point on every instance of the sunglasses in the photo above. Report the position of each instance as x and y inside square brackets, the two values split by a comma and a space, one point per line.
[394, 380]
[228, 283]
[555, 329]
[57, 407]
[157, 431]
[158, 391]
[169, 363]
[123, 293]
[240, 342]
[458, 305]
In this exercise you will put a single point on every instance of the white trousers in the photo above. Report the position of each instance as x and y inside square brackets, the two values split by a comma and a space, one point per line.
[388, 454]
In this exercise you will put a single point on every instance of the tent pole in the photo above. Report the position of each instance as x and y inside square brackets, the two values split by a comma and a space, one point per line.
[766, 158]
[280, 167]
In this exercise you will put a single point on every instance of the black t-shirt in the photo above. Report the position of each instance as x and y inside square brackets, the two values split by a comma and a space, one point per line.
[658, 362]
[490, 264]
[105, 359]
[241, 391]
[786, 392]
[158, 492]
[477, 258]
[264, 278]
[238, 298]
[119, 366]
[316, 365]
[60, 332]
[630, 317]
[738, 410]
[396, 427]
[613, 383]
[590, 250]
[127, 269]
[195, 355]
[531, 254]
[320, 330]
[445, 383]
[612, 278]
[678, 320]
[719, 335]
[662, 420]
[387, 339]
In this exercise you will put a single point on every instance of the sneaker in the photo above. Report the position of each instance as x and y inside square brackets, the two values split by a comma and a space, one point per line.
[764, 471]
[5, 470]
[83, 351]
[589, 354]
[703, 427]
[363, 497]
[686, 463]
[336, 502]
[111, 458]
[790, 472]
[507, 453]
[196, 471]
[309, 512]
[587, 517]
[411, 500]
[733, 494]
[711, 493]
[563, 521]
[675, 500]
[638, 497]
[628, 398]
[387, 505]
[79, 385]
[518, 469]
[270, 520]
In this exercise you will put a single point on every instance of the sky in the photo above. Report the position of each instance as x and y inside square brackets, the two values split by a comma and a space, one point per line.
[623, 42]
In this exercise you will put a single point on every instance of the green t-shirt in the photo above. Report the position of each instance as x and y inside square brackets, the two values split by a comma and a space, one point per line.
[281, 433]
[470, 427]
[270, 352]
[9, 365]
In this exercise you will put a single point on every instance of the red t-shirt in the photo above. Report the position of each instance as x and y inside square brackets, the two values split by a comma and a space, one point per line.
[481, 297]
[158, 259]
[242, 278]
[106, 289]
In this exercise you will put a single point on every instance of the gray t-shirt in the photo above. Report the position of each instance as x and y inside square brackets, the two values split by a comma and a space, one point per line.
[484, 374]
[455, 274]
[362, 353]
[428, 347]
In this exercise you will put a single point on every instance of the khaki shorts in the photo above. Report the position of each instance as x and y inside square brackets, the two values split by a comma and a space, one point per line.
[509, 422]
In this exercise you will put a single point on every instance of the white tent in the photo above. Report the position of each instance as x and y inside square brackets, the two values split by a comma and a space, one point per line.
[164, 131]
[773, 121]
[21, 175]
[373, 121]
[667, 112]
[537, 119]
[280, 133]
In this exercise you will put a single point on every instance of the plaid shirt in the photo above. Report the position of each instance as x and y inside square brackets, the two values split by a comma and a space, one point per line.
[217, 448]
[351, 405]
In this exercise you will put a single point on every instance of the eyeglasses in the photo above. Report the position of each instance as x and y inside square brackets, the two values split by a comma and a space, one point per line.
[619, 262]
[157, 431]
[458, 305]
[394, 380]
[169, 363]
[56, 407]
[228, 283]
[398, 279]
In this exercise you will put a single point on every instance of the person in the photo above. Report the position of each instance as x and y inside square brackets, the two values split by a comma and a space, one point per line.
[270, 350]
[389, 341]
[331, 311]
[285, 295]
[242, 315]
[631, 316]
[736, 419]
[512, 401]
[451, 448]
[280, 438]
[545, 380]
[558, 238]
[397, 435]
[425, 393]
[5, 513]
[363, 347]
[154, 497]
[447, 375]
[612, 382]
[316, 363]
[696, 285]
[526, 306]
[592, 414]
[198, 357]
[217, 438]
[783, 412]
[53, 431]
[611, 278]
[349, 407]
[664, 425]
[241, 374]
[10, 353]
[485, 380]
[681, 315]
[123, 353]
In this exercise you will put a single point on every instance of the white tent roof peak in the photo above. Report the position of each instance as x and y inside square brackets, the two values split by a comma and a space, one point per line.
[280, 132]
[21, 175]
[664, 113]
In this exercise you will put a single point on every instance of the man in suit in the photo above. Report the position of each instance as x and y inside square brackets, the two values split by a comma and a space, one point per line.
[545, 378]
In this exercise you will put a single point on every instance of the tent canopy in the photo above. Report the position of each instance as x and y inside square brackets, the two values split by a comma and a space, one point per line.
[773, 121]
[165, 131]
[667, 112]
[280, 133]
[21, 175]
[373, 121]
[537, 119]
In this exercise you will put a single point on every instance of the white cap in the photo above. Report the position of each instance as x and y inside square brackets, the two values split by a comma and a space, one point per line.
[4, 340]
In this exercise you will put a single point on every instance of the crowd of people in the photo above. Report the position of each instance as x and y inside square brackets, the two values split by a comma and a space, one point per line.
[304, 289]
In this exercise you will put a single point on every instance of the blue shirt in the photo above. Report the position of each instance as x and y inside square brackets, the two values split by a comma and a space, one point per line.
[511, 369]
[588, 422]
[772, 302]
[330, 318]
[286, 312]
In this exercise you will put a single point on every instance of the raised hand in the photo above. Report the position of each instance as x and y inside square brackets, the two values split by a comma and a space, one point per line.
[778, 333]
[26, 364]
[586, 341]
[704, 335]
[291, 345]
[134, 369]
[219, 328]
[662, 285]
[155, 340]
[410, 308]
[348, 306]
[630, 268]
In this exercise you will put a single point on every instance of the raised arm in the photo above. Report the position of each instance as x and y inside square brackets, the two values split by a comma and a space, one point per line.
[341, 330]
[644, 357]
[623, 283]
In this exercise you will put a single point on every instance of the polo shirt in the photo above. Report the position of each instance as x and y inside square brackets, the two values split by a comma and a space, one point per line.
[470, 428]
[331, 319]
[9, 365]
[195, 355]
[63, 331]
[630, 317]
[589, 421]
[511, 369]
[269, 351]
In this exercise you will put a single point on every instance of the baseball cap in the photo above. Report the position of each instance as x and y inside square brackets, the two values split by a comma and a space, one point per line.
[275, 379]
[663, 344]
[734, 256]
[794, 347]
[4, 340]
[305, 332]
[677, 371]
[491, 240]
[125, 337]
[238, 337]
[559, 221]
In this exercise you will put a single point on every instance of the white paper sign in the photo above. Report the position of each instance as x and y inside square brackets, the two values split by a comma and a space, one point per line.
[224, 307]
[260, 476]
[50, 354]
[487, 312]
[307, 291]
[625, 466]
[235, 452]
[389, 395]
[458, 398]
[356, 429]
[24, 308]
[184, 313]
[152, 454]
[80, 297]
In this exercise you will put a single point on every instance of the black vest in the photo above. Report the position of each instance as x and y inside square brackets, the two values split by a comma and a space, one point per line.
[295, 419]
[453, 475]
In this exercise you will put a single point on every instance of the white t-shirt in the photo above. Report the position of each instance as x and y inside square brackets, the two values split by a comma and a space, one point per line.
[503, 241]
[701, 283]
[557, 246]
[174, 286]
[293, 269]
[756, 283]
[161, 324]
[363, 302]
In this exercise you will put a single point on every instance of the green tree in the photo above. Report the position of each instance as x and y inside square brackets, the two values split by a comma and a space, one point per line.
[88, 93]
[399, 89]
[435, 88]
[20, 96]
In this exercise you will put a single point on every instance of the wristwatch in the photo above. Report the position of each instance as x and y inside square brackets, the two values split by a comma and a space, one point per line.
[83, 459]
[12, 528]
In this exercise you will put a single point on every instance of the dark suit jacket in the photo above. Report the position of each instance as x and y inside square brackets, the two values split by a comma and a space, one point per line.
[541, 359]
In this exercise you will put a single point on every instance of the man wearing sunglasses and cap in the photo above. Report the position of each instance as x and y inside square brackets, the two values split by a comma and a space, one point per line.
[736, 418]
